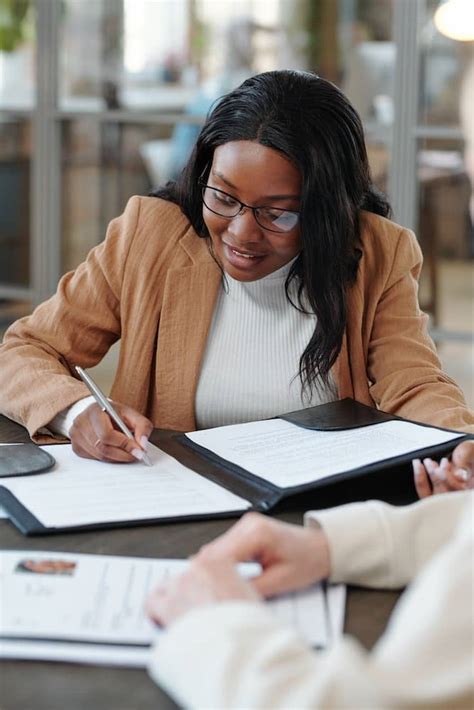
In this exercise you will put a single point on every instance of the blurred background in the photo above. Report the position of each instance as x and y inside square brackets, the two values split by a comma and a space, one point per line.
[103, 99]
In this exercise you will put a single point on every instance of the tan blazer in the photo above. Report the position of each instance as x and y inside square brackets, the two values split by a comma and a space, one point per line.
[153, 284]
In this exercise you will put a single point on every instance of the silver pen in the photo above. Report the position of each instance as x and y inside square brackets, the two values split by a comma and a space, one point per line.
[105, 405]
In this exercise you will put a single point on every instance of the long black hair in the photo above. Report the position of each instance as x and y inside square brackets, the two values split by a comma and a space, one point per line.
[312, 123]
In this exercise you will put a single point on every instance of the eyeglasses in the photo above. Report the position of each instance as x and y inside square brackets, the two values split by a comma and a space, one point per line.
[272, 218]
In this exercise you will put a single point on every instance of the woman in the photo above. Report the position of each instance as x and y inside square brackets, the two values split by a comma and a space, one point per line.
[266, 279]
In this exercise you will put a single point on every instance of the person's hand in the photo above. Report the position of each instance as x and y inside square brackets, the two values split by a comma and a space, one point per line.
[204, 582]
[455, 475]
[94, 436]
[291, 556]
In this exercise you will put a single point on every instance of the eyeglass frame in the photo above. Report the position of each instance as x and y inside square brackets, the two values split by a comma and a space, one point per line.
[204, 186]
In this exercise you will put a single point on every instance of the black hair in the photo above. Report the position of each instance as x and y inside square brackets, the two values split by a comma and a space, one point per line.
[312, 123]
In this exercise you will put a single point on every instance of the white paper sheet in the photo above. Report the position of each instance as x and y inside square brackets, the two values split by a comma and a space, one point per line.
[63, 652]
[336, 607]
[288, 455]
[81, 491]
[307, 612]
[90, 608]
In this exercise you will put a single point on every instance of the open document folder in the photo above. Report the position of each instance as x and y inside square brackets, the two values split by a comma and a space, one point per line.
[253, 465]
[62, 606]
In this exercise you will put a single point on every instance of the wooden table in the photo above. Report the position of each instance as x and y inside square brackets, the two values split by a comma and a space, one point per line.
[35, 685]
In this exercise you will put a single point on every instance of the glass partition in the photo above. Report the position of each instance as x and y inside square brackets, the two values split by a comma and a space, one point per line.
[445, 160]
[17, 55]
[15, 153]
[17, 98]
[131, 55]
[103, 164]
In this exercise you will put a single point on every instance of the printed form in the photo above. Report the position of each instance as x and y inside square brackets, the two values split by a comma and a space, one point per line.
[83, 491]
[91, 608]
[288, 455]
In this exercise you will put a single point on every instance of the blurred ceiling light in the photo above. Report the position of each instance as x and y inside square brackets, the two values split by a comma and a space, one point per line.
[455, 19]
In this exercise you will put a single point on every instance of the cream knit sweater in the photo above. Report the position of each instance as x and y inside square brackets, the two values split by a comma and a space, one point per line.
[236, 655]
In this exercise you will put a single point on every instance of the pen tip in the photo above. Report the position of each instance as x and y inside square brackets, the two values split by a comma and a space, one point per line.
[146, 460]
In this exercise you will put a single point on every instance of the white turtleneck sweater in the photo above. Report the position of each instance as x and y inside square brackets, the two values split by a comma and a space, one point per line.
[250, 366]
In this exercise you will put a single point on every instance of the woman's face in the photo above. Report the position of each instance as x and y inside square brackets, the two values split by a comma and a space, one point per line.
[260, 177]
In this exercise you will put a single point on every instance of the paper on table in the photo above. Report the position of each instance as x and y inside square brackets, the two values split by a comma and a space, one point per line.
[50, 598]
[82, 491]
[336, 607]
[64, 596]
[288, 455]
[92, 654]
[305, 610]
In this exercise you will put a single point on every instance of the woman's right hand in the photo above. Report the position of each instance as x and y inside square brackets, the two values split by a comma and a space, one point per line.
[291, 556]
[94, 436]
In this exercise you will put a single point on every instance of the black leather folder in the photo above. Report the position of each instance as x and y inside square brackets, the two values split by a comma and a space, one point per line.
[24, 460]
[390, 479]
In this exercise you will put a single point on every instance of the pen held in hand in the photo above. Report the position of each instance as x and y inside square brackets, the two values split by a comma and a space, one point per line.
[106, 406]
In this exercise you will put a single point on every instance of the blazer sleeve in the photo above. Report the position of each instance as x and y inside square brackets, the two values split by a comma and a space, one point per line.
[402, 365]
[76, 326]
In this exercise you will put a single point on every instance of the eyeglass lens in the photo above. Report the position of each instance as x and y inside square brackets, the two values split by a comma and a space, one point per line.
[272, 218]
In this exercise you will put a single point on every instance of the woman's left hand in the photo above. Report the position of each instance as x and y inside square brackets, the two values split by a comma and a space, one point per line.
[205, 582]
[455, 475]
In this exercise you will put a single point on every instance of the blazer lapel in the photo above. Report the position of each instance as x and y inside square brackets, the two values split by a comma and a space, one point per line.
[188, 306]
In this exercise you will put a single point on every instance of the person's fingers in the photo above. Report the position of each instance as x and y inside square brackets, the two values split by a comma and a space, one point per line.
[465, 476]
[421, 479]
[83, 446]
[451, 476]
[437, 476]
[222, 579]
[82, 449]
[82, 438]
[200, 584]
[276, 579]
[93, 436]
[445, 476]
[463, 463]
[110, 444]
[463, 455]
[291, 556]
[115, 446]
[118, 453]
[140, 426]
[244, 541]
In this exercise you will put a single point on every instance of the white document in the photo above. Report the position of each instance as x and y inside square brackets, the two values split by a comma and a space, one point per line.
[288, 455]
[80, 491]
[90, 608]
[305, 610]
[335, 607]
[64, 652]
